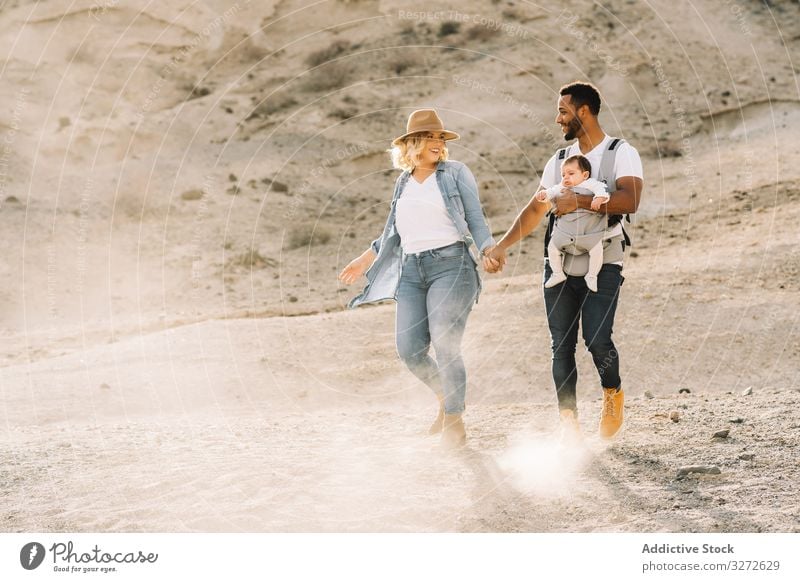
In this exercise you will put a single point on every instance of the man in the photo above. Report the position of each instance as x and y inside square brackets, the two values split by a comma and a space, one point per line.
[571, 302]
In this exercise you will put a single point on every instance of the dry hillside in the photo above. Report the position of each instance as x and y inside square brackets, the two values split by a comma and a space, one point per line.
[181, 182]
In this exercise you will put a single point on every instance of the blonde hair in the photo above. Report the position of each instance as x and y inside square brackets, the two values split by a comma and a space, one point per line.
[405, 155]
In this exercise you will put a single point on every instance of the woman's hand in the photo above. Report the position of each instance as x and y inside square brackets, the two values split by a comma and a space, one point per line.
[357, 267]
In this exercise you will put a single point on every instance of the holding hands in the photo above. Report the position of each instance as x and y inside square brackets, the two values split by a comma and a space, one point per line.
[494, 259]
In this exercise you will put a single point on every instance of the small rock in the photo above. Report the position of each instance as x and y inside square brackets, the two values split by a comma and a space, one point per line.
[747, 391]
[198, 91]
[704, 469]
[684, 391]
[279, 187]
[648, 395]
[674, 416]
[736, 420]
[192, 194]
[105, 386]
[747, 456]
[721, 434]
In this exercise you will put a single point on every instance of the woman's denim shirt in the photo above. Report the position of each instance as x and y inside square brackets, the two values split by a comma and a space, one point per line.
[460, 192]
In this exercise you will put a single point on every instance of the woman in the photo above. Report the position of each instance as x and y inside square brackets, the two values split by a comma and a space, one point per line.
[422, 261]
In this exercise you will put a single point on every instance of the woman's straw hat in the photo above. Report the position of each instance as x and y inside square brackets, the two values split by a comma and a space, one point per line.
[424, 120]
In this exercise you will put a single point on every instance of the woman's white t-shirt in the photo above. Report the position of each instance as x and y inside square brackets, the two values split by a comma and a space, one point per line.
[422, 219]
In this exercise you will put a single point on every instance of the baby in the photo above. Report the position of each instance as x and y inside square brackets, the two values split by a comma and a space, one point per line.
[580, 231]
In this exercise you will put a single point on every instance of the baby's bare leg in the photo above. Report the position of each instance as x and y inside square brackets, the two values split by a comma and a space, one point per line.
[595, 264]
[554, 256]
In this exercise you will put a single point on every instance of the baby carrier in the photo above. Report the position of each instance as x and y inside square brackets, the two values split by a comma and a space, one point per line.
[576, 259]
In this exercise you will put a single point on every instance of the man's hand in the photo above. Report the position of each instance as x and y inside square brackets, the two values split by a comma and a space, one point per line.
[566, 202]
[494, 258]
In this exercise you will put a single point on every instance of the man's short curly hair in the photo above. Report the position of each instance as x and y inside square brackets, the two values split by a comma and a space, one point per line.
[583, 93]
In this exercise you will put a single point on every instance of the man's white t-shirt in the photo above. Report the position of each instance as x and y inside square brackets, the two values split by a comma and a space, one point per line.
[422, 219]
[626, 163]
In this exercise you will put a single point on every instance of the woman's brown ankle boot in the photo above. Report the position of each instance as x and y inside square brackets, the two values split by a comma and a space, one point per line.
[453, 433]
[438, 423]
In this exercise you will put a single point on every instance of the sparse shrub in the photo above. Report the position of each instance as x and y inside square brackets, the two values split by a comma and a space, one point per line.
[251, 259]
[336, 48]
[449, 27]
[331, 76]
[482, 33]
[306, 236]
[274, 185]
[344, 112]
[196, 91]
[402, 63]
[669, 149]
[275, 103]
[408, 29]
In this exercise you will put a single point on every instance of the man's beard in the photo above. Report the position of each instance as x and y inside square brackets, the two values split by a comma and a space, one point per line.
[573, 127]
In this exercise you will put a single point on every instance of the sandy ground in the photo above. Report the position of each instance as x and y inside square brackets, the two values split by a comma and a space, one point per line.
[224, 441]
[182, 182]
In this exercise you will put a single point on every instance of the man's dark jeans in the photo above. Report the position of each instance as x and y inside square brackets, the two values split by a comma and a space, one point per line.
[569, 303]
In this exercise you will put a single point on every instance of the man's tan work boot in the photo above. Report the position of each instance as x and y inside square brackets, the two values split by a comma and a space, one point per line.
[570, 429]
[438, 423]
[453, 433]
[611, 416]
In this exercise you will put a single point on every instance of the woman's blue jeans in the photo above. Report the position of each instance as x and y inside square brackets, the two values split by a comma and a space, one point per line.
[569, 304]
[434, 299]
